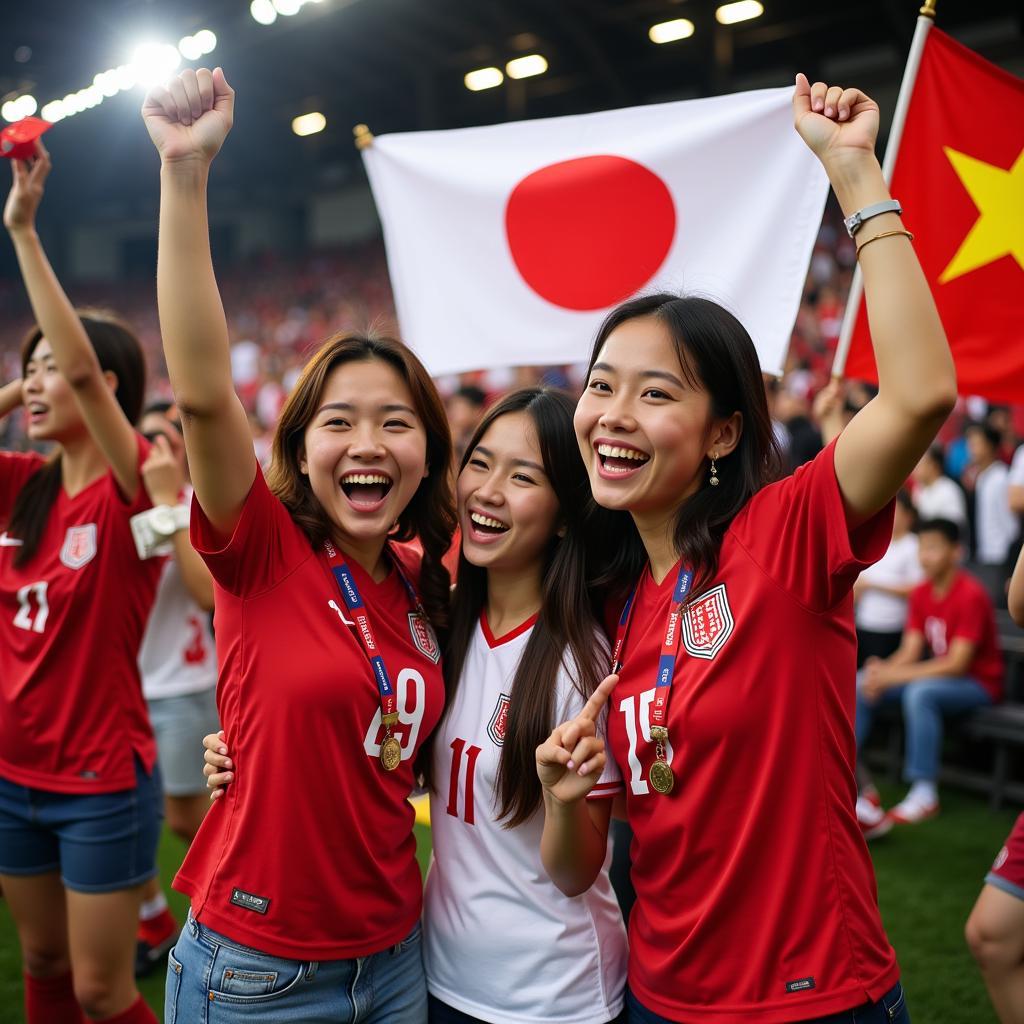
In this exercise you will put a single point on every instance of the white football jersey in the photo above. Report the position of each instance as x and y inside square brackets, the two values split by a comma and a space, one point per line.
[501, 942]
[177, 655]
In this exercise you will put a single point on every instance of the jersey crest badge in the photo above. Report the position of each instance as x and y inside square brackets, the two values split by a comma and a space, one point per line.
[498, 724]
[79, 546]
[707, 624]
[423, 638]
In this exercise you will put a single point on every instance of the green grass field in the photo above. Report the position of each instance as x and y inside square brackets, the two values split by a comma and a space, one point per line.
[928, 879]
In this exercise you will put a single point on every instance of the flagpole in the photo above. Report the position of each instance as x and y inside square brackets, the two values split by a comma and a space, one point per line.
[364, 137]
[925, 21]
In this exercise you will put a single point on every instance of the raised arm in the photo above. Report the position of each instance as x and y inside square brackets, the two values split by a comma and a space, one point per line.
[10, 398]
[916, 379]
[72, 351]
[188, 122]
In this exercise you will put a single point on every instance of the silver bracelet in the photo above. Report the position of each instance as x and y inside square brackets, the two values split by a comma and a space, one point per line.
[855, 221]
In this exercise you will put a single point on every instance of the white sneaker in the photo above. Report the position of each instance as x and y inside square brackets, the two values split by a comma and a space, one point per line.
[874, 822]
[912, 809]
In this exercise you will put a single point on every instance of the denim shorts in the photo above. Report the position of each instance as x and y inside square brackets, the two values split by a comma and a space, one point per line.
[100, 842]
[212, 979]
[890, 1009]
[179, 724]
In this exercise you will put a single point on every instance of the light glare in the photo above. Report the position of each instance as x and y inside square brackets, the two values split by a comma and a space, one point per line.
[189, 48]
[9, 111]
[263, 12]
[206, 40]
[526, 67]
[154, 63]
[483, 78]
[287, 7]
[53, 111]
[670, 31]
[309, 124]
[743, 10]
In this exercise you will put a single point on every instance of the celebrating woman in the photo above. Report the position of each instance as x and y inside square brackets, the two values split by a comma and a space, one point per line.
[733, 717]
[305, 905]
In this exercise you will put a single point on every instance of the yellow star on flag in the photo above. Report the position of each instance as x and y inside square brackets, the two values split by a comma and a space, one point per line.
[999, 229]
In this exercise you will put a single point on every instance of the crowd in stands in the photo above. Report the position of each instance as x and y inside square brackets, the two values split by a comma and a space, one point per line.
[279, 307]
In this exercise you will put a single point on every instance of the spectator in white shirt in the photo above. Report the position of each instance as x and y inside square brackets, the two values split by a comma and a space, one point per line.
[996, 526]
[1016, 481]
[880, 594]
[937, 496]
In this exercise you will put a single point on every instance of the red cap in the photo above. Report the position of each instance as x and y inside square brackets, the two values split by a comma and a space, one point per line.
[18, 140]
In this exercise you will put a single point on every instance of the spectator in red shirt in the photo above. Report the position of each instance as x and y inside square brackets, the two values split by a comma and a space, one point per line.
[948, 662]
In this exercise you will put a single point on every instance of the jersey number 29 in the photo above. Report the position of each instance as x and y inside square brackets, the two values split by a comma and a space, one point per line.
[411, 704]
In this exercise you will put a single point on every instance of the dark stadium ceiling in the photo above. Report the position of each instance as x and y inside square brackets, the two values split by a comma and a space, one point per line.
[399, 65]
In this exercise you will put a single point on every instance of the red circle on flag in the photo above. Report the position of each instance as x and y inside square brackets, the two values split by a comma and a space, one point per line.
[588, 233]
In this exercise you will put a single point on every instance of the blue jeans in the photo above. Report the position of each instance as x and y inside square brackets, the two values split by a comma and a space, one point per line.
[890, 1009]
[100, 842]
[925, 703]
[213, 980]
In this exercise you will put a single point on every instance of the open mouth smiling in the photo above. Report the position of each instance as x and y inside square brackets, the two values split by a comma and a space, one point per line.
[619, 460]
[366, 490]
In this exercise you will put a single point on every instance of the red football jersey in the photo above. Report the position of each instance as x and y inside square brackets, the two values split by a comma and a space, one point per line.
[756, 897]
[965, 613]
[71, 622]
[310, 853]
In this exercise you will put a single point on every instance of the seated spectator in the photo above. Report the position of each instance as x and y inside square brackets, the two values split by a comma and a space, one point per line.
[1016, 482]
[936, 496]
[995, 524]
[880, 594]
[949, 662]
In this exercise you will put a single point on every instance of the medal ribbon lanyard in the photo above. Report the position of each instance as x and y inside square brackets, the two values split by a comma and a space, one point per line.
[661, 772]
[364, 633]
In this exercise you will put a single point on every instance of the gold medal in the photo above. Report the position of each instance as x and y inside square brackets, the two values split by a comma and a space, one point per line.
[662, 777]
[391, 753]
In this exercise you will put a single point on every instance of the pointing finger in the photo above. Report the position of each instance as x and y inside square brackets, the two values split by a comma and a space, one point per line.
[592, 709]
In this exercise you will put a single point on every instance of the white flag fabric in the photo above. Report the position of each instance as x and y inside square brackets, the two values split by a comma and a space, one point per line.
[508, 244]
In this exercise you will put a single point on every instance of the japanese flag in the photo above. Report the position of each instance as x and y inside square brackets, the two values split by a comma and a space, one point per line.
[508, 244]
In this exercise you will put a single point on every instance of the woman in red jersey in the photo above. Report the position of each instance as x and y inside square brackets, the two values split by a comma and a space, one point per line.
[305, 903]
[733, 718]
[79, 806]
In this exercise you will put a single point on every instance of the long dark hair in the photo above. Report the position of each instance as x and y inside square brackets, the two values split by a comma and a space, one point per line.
[118, 351]
[564, 636]
[716, 354]
[430, 515]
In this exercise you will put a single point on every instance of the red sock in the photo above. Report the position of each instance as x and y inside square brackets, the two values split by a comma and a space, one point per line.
[51, 1001]
[157, 929]
[137, 1013]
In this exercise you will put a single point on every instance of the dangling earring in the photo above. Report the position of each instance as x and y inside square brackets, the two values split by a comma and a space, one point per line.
[714, 472]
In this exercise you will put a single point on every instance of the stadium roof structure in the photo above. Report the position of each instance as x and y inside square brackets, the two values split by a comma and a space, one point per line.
[400, 65]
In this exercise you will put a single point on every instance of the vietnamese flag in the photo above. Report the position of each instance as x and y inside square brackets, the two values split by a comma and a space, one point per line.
[959, 176]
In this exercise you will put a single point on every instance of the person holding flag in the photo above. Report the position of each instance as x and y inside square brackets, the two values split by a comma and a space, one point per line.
[733, 717]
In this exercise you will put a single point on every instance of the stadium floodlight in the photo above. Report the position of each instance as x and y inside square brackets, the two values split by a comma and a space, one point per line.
[309, 124]
[206, 41]
[287, 7]
[54, 111]
[263, 12]
[16, 109]
[483, 78]
[526, 67]
[106, 82]
[154, 63]
[125, 77]
[90, 97]
[189, 48]
[743, 10]
[670, 31]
